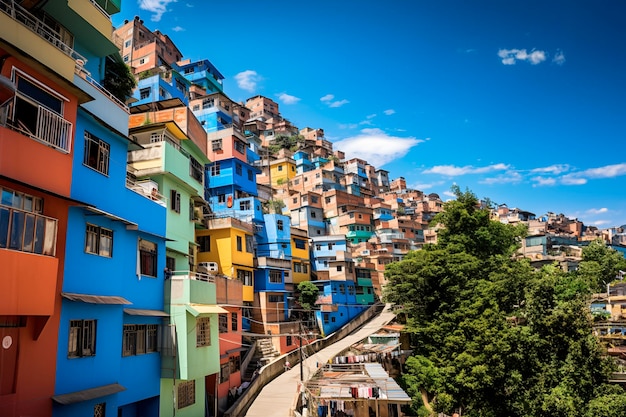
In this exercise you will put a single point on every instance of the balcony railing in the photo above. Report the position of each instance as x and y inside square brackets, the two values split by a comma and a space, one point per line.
[146, 189]
[18, 13]
[85, 75]
[197, 276]
[47, 126]
[26, 231]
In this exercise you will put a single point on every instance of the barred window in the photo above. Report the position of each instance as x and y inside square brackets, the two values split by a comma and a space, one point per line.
[148, 258]
[234, 322]
[224, 372]
[223, 323]
[82, 338]
[139, 339]
[96, 153]
[195, 169]
[186, 394]
[203, 331]
[276, 277]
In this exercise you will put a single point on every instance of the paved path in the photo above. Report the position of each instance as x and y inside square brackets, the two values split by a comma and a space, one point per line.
[277, 397]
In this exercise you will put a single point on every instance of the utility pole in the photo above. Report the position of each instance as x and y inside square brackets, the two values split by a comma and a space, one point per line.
[301, 364]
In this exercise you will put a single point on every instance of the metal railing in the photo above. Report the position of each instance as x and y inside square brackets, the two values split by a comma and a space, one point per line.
[198, 276]
[18, 13]
[49, 127]
[85, 75]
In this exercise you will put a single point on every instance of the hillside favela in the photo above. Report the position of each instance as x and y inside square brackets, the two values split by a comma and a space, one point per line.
[169, 251]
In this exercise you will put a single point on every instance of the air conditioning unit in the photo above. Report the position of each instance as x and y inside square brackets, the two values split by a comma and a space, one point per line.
[207, 267]
[365, 252]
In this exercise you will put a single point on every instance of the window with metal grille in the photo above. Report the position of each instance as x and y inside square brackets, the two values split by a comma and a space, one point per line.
[186, 394]
[216, 145]
[175, 201]
[234, 364]
[204, 243]
[215, 169]
[96, 153]
[274, 298]
[99, 241]
[244, 276]
[224, 372]
[249, 244]
[240, 147]
[203, 331]
[99, 410]
[223, 323]
[195, 169]
[276, 277]
[234, 322]
[82, 340]
[279, 224]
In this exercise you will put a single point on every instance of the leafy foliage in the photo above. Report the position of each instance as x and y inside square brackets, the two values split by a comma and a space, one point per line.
[119, 79]
[292, 143]
[308, 294]
[492, 336]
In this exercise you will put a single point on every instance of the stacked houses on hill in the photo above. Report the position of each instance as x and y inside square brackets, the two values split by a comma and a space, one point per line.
[149, 241]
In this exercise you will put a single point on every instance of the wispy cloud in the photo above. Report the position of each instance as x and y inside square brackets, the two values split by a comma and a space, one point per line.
[157, 7]
[329, 100]
[454, 171]
[543, 181]
[600, 222]
[178, 29]
[247, 80]
[509, 177]
[288, 98]
[389, 112]
[370, 116]
[348, 126]
[598, 211]
[582, 177]
[426, 185]
[376, 147]
[511, 56]
[559, 58]
[552, 169]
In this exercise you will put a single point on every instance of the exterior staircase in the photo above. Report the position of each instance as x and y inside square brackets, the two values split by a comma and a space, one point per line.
[264, 354]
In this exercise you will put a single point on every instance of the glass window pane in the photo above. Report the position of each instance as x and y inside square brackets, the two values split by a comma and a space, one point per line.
[39, 234]
[50, 237]
[17, 230]
[29, 233]
[5, 216]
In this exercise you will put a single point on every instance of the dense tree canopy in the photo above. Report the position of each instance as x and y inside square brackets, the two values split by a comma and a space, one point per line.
[493, 336]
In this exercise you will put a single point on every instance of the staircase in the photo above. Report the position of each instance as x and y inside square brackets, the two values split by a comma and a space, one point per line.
[264, 353]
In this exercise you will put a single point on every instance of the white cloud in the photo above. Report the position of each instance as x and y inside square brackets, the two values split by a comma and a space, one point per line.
[328, 99]
[449, 194]
[601, 222]
[453, 171]
[510, 177]
[426, 186]
[178, 29]
[370, 116]
[389, 112]
[607, 171]
[543, 181]
[338, 103]
[571, 179]
[247, 80]
[348, 126]
[158, 7]
[552, 169]
[559, 58]
[511, 56]
[598, 211]
[376, 147]
[288, 99]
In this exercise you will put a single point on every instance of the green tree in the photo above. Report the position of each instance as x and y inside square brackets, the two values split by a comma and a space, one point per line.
[493, 336]
[308, 294]
[600, 265]
[118, 78]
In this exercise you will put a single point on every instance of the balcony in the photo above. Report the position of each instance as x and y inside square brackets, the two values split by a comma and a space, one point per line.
[28, 33]
[267, 262]
[189, 287]
[148, 189]
[108, 107]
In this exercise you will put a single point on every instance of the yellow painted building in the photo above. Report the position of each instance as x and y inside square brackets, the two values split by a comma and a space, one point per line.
[227, 245]
[300, 260]
[282, 170]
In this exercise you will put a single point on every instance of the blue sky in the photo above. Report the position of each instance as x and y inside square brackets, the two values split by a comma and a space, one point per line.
[523, 102]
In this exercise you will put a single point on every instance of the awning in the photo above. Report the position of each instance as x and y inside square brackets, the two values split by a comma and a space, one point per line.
[88, 394]
[145, 312]
[95, 299]
[111, 216]
[197, 309]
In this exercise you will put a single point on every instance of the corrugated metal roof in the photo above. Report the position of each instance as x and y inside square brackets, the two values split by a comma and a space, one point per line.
[95, 299]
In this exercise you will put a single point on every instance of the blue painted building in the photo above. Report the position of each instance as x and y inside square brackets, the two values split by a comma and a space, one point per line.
[112, 292]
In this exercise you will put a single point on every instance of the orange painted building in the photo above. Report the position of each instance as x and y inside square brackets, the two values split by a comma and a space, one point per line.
[36, 133]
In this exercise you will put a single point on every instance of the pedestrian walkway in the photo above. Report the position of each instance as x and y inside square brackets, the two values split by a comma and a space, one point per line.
[277, 398]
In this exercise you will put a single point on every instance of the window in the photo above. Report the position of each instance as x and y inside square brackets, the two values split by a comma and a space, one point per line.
[280, 167]
[235, 364]
[207, 103]
[127, 43]
[249, 244]
[148, 258]
[279, 224]
[204, 243]
[82, 338]
[239, 244]
[126, 58]
[234, 322]
[314, 199]
[276, 277]
[244, 205]
[221, 198]
[139, 339]
[203, 331]
[297, 267]
[142, 61]
[325, 318]
[224, 372]
[350, 290]
[195, 169]
[144, 93]
[223, 323]
[216, 145]
[186, 394]
[299, 243]
[215, 169]
[342, 287]
[288, 341]
[244, 276]
[238, 169]
[175, 201]
[274, 298]
[339, 268]
[99, 241]
[96, 154]
[240, 147]
[250, 175]
[305, 268]
[330, 246]
[99, 410]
